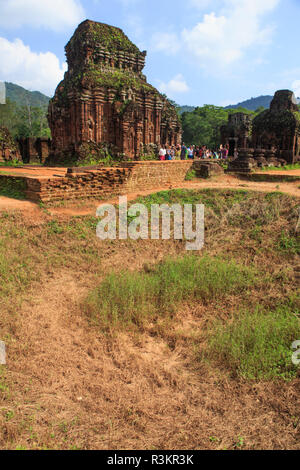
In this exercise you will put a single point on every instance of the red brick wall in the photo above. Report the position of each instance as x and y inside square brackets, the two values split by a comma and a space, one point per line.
[127, 177]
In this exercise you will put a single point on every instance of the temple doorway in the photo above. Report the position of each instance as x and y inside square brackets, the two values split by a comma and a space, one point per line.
[231, 147]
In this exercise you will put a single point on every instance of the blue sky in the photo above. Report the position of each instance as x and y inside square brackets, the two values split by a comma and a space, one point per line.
[199, 51]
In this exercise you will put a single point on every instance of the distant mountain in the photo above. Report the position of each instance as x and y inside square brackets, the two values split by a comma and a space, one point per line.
[254, 103]
[23, 97]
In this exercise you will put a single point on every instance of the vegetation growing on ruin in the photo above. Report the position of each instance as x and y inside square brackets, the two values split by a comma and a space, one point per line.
[97, 34]
[149, 152]
[84, 51]
[89, 154]
[118, 79]
[191, 174]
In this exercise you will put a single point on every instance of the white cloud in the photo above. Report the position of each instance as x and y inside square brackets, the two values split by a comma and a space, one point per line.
[34, 71]
[166, 42]
[174, 86]
[221, 39]
[224, 38]
[50, 14]
[296, 88]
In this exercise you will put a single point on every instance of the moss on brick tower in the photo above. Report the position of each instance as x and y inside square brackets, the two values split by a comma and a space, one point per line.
[96, 34]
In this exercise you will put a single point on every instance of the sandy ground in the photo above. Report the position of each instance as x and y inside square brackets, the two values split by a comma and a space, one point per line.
[283, 172]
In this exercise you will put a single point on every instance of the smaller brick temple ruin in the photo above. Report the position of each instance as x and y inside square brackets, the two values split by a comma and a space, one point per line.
[105, 102]
[271, 139]
[236, 133]
[34, 150]
[9, 150]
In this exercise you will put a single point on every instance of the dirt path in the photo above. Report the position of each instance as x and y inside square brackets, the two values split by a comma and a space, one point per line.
[7, 203]
[281, 172]
[83, 390]
[89, 208]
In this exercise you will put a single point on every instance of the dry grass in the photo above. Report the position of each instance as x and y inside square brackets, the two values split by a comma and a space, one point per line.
[68, 385]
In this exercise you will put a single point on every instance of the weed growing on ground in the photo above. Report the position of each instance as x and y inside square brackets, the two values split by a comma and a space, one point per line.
[295, 166]
[288, 243]
[191, 175]
[256, 345]
[133, 298]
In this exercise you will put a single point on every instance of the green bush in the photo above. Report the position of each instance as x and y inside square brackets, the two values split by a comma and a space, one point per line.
[131, 298]
[256, 345]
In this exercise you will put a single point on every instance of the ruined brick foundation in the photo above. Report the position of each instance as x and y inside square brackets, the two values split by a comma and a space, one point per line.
[104, 182]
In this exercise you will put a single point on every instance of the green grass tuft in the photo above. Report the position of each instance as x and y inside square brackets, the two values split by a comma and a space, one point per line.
[295, 166]
[131, 298]
[191, 175]
[256, 345]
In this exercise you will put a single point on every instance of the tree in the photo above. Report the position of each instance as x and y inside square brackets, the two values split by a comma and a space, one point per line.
[25, 121]
[202, 126]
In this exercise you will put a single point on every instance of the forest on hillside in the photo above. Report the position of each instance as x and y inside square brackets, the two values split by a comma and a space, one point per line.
[23, 97]
[25, 112]
[24, 120]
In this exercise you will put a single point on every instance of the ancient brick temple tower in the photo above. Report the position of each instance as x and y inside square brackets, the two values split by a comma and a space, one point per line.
[105, 100]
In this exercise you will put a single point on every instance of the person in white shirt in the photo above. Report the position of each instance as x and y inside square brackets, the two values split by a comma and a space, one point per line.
[162, 153]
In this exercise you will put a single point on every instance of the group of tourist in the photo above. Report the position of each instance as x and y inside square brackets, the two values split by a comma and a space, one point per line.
[192, 152]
